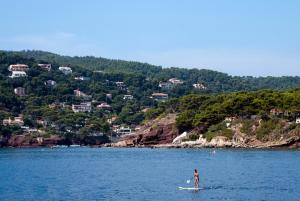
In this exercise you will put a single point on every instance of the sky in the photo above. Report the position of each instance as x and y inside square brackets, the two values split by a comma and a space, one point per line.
[249, 37]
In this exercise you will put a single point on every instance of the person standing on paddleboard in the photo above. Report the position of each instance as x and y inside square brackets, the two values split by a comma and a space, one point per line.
[196, 178]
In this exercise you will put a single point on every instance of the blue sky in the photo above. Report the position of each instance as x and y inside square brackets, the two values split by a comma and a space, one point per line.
[249, 37]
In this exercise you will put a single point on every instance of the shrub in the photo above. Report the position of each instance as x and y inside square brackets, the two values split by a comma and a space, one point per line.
[266, 128]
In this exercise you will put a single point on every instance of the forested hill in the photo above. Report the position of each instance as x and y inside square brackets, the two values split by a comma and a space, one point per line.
[215, 82]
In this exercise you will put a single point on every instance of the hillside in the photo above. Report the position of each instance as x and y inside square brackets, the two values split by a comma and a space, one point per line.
[214, 82]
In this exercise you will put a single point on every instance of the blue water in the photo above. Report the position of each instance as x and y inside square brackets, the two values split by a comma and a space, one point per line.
[148, 174]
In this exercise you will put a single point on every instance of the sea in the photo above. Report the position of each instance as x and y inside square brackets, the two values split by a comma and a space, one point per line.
[148, 174]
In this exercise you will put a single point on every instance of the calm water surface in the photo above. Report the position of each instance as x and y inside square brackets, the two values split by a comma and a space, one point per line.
[148, 174]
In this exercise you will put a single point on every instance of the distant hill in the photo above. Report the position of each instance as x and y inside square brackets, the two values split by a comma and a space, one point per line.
[214, 81]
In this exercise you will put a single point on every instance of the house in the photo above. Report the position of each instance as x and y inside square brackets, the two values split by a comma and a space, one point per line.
[16, 121]
[82, 78]
[276, 112]
[112, 119]
[123, 131]
[82, 107]
[108, 96]
[127, 97]
[121, 85]
[175, 81]
[298, 120]
[79, 93]
[18, 74]
[165, 85]
[199, 86]
[18, 67]
[30, 130]
[65, 70]
[45, 66]
[50, 83]
[20, 91]
[104, 106]
[159, 96]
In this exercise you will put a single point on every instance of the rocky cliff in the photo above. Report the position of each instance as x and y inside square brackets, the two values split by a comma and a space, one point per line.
[27, 140]
[154, 132]
[162, 132]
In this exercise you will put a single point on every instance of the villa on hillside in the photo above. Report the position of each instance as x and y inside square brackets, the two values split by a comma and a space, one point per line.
[104, 106]
[199, 86]
[175, 81]
[170, 83]
[165, 85]
[127, 97]
[65, 70]
[50, 83]
[45, 66]
[79, 93]
[20, 91]
[16, 121]
[121, 85]
[112, 119]
[108, 96]
[159, 96]
[18, 67]
[123, 131]
[82, 78]
[82, 107]
[16, 74]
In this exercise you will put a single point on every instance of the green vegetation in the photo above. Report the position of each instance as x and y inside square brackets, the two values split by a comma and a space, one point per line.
[207, 113]
[218, 130]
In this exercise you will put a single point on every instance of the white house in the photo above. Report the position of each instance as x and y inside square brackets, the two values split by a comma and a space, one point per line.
[82, 78]
[65, 70]
[79, 93]
[127, 97]
[199, 86]
[18, 67]
[175, 81]
[50, 83]
[104, 106]
[165, 85]
[82, 107]
[17, 121]
[18, 74]
[123, 131]
[20, 91]
[160, 96]
[121, 85]
[45, 66]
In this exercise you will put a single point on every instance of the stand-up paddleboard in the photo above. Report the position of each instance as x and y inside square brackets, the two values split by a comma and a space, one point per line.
[190, 188]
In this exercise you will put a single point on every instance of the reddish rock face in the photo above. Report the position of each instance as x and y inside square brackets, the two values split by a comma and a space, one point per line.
[161, 135]
[29, 141]
[154, 132]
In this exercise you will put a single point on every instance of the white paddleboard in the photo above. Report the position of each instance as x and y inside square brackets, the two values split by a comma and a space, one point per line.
[189, 188]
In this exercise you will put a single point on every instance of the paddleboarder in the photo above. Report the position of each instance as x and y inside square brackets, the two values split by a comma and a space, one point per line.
[196, 178]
